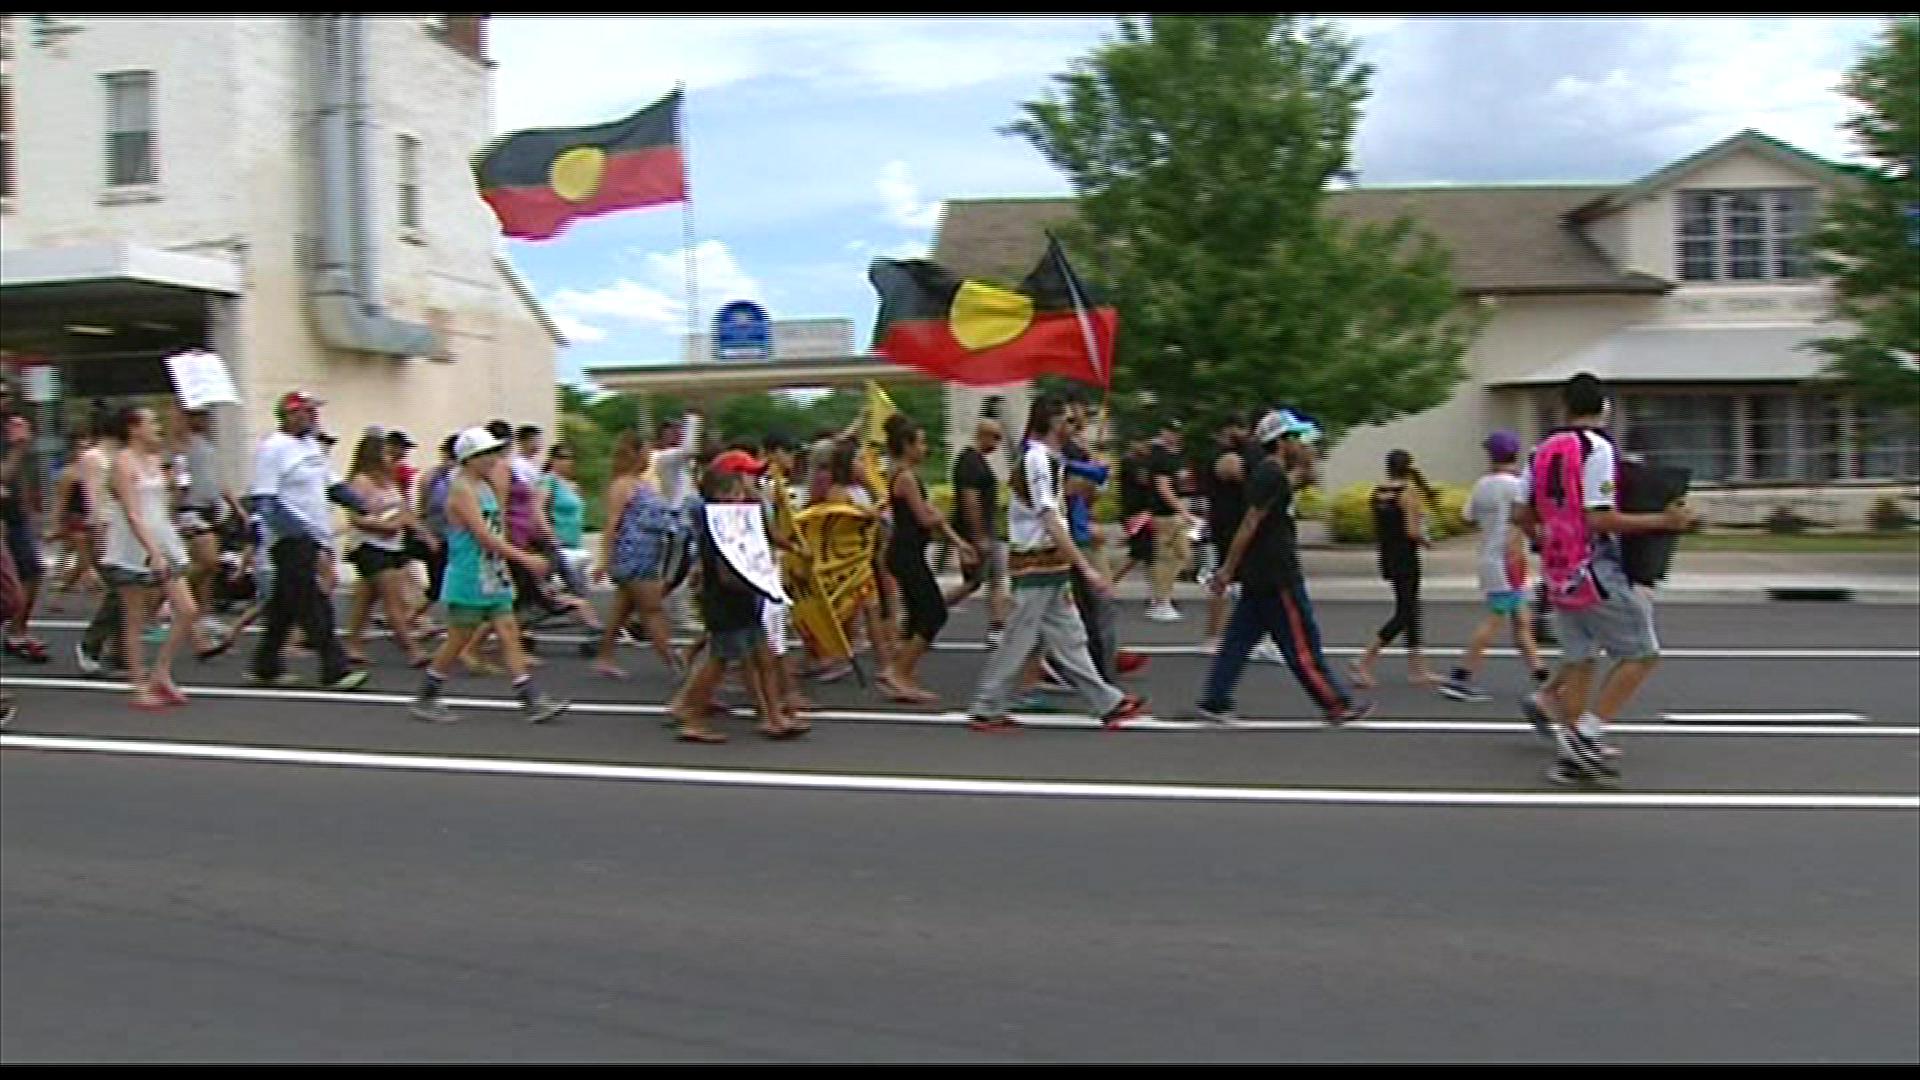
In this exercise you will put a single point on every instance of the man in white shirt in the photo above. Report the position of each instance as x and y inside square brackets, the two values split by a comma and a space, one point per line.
[672, 472]
[293, 482]
[1042, 558]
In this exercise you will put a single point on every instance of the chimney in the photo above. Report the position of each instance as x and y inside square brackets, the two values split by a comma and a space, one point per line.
[467, 35]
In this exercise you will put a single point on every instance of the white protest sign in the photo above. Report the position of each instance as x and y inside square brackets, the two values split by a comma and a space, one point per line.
[740, 532]
[201, 379]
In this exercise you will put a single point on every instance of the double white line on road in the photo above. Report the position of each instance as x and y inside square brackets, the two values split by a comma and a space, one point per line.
[1331, 650]
[1791, 724]
[927, 785]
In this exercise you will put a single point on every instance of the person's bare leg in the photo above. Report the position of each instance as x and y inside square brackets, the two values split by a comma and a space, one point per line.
[180, 598]
[617, 618]
[393, 593]
[135, 611]
[1622, 683]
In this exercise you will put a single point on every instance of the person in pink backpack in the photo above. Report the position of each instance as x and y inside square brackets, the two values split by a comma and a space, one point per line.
[1568, 506]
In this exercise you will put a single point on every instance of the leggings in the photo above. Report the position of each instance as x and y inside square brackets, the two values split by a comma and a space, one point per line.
[1406, 608]
[920, 594]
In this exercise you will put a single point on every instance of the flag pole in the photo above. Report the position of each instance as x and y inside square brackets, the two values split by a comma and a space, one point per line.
[701, 353]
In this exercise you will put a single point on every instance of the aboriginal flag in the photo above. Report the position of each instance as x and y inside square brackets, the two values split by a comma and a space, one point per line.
[980, 334]
[539, 181]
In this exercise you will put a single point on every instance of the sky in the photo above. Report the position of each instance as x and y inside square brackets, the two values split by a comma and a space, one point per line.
[817, 144]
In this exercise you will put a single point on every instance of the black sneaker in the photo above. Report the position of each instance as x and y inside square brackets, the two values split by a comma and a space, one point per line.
[1463, 690]
[1592, 756]
[1351, 714]
[1543, 724]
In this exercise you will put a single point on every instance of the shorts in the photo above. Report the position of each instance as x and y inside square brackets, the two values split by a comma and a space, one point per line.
[733, 645]
[370, 561]
[1506, 601]
[194, 520]
[24, 546]
[992, 567]
[1620, 625]
[123, 576]
[472, 616]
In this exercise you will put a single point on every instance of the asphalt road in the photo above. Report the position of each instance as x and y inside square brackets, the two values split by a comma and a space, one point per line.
[1412, 890]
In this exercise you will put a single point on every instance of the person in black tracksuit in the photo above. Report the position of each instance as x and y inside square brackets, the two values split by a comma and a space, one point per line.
[1400, 506]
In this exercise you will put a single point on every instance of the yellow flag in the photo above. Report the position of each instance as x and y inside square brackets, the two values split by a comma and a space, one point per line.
[879, 408]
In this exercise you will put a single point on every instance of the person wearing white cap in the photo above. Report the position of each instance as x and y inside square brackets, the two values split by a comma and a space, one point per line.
[1265, 559]
[478, 590]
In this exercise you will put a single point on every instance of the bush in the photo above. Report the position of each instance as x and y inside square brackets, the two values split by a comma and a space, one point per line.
[1784, 522]
[1352, 514]
[1311, 504]
[1887, 516]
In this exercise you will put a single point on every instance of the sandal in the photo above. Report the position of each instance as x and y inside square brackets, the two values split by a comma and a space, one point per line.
[171, 694]
[611, 671]
[700, 735]
[776, 732]
[1359, 676]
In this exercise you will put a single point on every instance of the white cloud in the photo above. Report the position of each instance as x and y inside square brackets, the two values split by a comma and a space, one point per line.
[900, 199]
[658, 301]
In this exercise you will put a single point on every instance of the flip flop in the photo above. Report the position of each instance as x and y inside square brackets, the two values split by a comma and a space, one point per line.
[709, 737]
[1360, 678]
[172, 695]
[775, 733]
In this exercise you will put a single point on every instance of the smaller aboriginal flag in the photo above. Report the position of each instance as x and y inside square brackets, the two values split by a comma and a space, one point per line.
[980, 334]
[539, 181]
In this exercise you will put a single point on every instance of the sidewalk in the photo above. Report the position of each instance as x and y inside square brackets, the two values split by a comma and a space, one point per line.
[1451, 574]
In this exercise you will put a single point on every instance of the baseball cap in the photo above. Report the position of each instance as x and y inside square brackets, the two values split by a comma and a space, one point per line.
[473, 442]
[1272, 426]
[296, 399]
[738, 461]
[1503, 444]
[397, 437]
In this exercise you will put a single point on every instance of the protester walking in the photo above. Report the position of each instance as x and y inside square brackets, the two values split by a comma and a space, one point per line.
[478, 590]
[19, 508]
[1503, 569]
[914, 520]
[1400, 509]
[1264, 557]
[1172, 547]
[379, 555]
[640, 533]
[975, 519]
[292, 484]
[1041, 561]
[145, 559]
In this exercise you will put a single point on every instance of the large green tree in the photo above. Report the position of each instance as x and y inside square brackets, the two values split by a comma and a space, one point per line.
[1869, 239]
[1201, 151]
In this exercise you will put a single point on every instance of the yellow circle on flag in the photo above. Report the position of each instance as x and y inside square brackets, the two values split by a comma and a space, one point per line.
[576, 174]
[986, 315]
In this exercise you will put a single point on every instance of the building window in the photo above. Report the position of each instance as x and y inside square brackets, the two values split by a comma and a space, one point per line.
[1753, 235]
[1889, 445]
[1772, 420]
[409, 186]
[131, 156]
[1691, 431]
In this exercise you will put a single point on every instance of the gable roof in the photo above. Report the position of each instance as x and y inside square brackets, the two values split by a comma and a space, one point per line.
[1749, 141]
[1509, 241]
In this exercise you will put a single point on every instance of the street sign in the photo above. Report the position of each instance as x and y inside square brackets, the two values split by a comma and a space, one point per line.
[741, 331]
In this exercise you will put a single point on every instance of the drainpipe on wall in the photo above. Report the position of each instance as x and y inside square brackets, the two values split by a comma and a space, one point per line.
[343, 293]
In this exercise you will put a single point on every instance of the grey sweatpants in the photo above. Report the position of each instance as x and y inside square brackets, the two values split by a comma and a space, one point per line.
[1043, 618]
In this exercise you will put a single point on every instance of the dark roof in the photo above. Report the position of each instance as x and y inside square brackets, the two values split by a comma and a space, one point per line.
[1505, 240]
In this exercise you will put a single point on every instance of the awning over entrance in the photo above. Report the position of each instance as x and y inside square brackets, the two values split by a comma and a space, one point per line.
[113, 299]
[1743, 354]
[721, 378]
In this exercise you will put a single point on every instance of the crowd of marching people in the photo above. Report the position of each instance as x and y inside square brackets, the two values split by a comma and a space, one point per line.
[489, 542]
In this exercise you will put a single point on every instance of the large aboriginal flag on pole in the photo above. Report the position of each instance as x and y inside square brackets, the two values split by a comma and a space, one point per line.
[980, 334]
[539, 181]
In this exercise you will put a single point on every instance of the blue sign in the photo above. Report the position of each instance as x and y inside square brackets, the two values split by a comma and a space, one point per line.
[741, 331]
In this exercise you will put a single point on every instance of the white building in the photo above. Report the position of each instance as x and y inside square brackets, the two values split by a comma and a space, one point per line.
[1688, 291]
[294, 193]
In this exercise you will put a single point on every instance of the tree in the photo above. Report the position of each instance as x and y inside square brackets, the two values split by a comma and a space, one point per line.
[1201, 151]
[1869, 239]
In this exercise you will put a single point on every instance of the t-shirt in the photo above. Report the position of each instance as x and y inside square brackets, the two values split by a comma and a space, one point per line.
[1025, 517]
[1136, 484]
[1272, 559]
[1163, 462]
[1079, 504]
[971, 472]
[1597, 472]
[203, 473]
[295, 469]
[1491, 508]
[1226, 499]
[726, 603]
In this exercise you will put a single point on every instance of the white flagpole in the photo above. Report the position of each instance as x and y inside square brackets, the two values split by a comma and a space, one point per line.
[1079, 307]
[696, 344]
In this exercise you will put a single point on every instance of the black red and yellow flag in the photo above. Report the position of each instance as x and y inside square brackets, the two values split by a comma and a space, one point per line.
[539, 181]
[981, 334]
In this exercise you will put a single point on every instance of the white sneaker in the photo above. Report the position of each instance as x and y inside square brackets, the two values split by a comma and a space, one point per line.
[1164, 612]
[1269, 652]
[85, 661]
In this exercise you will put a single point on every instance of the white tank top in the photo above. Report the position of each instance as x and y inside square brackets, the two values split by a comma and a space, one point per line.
[150, 504]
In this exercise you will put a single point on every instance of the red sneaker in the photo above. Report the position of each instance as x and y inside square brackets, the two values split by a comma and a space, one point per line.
[1129, 662]
[992, 725]
[1130, 706]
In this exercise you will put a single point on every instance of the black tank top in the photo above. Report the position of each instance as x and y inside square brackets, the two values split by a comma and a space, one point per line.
[1398, 555]
[909, 540]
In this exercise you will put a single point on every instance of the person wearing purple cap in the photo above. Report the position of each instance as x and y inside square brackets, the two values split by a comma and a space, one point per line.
[1503, 568]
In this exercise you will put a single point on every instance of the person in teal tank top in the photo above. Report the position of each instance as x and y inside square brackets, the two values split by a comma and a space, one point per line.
[478, 589]
[568, 510]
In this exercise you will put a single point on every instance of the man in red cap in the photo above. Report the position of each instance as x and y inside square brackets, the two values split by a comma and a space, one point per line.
[293, 481]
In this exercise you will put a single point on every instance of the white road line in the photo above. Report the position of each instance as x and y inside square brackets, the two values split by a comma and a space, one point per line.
[1813, 726]
[1763, 718]
[1757, 653]
[927, 785]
